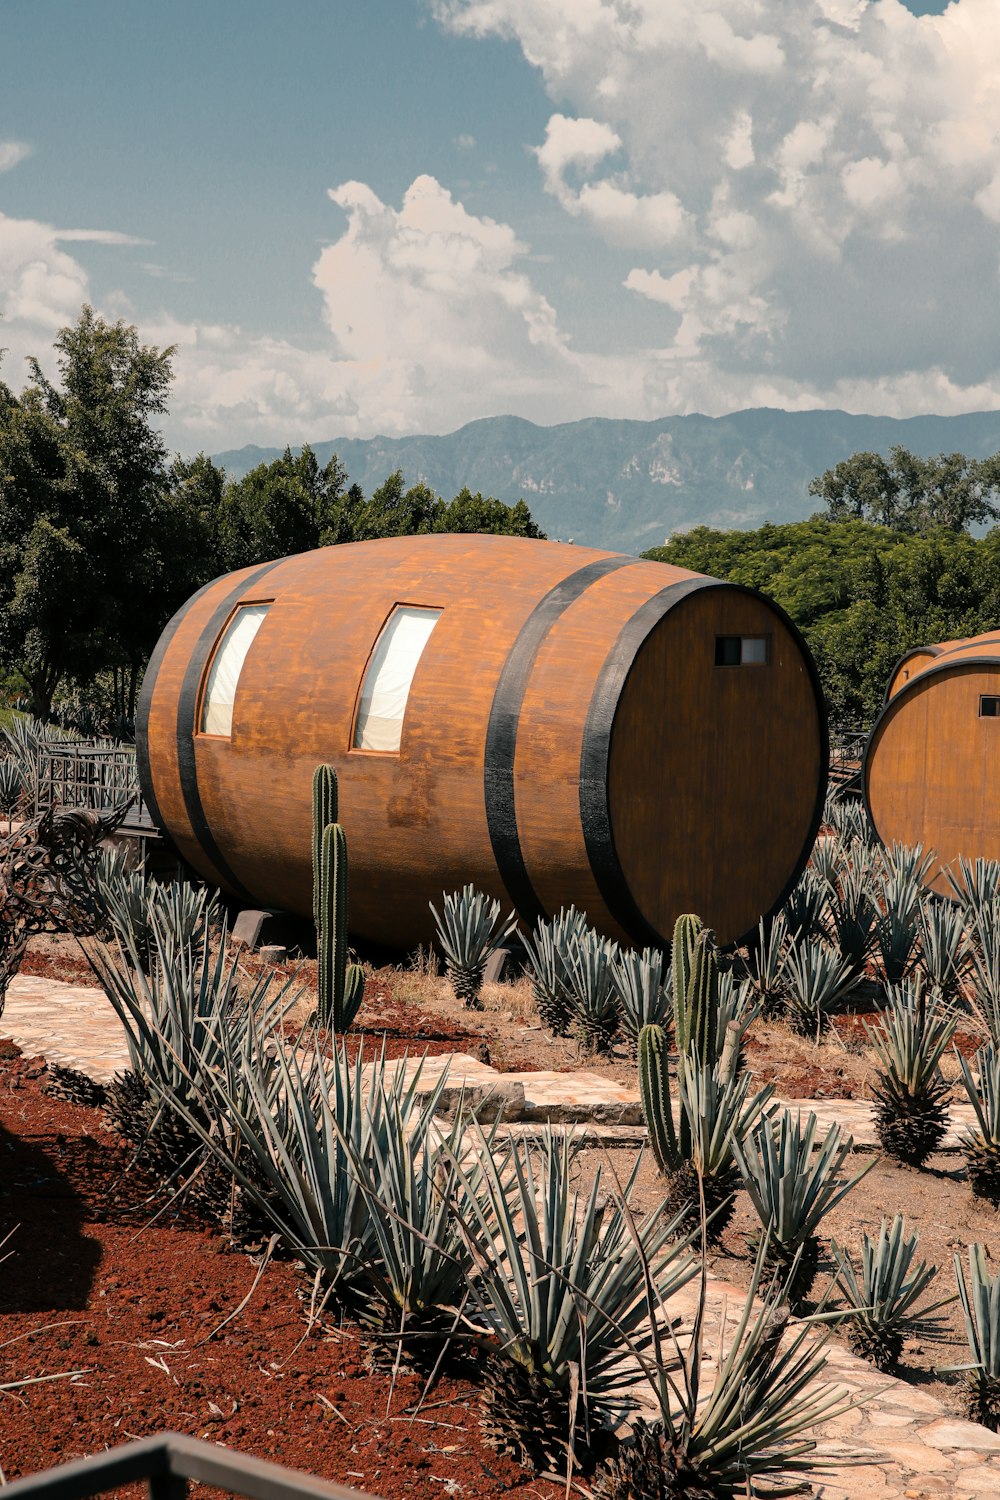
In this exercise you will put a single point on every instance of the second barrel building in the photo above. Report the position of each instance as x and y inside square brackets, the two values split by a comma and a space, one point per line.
[551, 723]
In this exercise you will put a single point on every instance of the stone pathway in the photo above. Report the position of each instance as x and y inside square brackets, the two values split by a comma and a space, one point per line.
[912, 1446]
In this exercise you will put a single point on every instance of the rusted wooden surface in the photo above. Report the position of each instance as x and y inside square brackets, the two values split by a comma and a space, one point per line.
[518, 770]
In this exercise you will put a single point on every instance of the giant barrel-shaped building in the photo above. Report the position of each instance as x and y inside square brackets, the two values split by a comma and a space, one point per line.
[932, 764]
[552, 723]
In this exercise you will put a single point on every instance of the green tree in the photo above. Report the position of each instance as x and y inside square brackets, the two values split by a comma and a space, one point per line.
[912, 494]
[470, 512]
[861, 592]
[82, 484]
[394, 510]
[288, 506]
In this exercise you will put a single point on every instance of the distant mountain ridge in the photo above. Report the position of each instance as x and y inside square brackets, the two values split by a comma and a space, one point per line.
[627, 485]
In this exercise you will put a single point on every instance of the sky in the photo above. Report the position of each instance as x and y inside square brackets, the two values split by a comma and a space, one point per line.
[354, 217]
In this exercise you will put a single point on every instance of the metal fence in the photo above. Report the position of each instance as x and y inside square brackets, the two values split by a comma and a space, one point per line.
[168, 1463]
[847, 749]
[82, 773]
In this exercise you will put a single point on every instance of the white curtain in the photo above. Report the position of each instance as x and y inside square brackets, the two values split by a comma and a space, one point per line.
[227, 664]
[387, 681]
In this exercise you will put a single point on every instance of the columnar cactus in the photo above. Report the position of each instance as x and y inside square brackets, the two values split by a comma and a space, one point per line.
[325, 804]
[696, 991]
[341, 985]
[654, 1092]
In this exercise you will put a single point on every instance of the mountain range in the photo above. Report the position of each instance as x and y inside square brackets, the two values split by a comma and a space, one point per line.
[628, 485]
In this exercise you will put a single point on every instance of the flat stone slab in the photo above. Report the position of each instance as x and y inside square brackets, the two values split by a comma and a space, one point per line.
[70, 1024]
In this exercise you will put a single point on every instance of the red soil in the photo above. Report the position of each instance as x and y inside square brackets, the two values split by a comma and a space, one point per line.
[136, 1308]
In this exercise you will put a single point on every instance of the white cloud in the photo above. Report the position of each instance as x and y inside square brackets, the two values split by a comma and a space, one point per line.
[98, 237]
[810, 188]
[12, 153]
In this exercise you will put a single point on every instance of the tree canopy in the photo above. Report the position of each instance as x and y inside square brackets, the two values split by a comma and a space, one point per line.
[912, 494]
[92, 548]
[861, 593]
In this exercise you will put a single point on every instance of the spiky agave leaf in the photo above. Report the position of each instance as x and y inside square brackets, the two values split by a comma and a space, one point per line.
[981, 1146]
[766, 964]
[816, 978]
[943, 952]
[643, 986]
[469, 927]
[852, 915]
[415, 1193]
[983, 989]
[593, 998]
[975, 883]
[562, 1282]
[716, 1111]
[912, 1035]
[792, 1189]
[752, 1432]
[883, 1300]
[805, 908]
[981, 1310]
[547, 949]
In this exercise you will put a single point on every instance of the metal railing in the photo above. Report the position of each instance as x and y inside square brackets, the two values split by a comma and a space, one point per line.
[80, 773]
[168, 1463]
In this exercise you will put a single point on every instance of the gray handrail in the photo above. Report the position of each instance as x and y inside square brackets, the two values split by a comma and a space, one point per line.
[168, 1462]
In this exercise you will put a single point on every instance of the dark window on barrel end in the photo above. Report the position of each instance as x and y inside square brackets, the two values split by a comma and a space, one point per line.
[741, 650]
[989, 708]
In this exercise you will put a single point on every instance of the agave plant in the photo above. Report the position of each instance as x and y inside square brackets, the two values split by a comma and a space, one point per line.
[826, 859]
[912, 1035]
[562, 1283]
[943, 955]
[883, 1300]
[805, 907]
[696, 1155]
[853, 914]
[547, 951]
[468, 931]
[11, 785]
[418, 1258]
[904, 874]
[590, 985]
[179, 1019]
[976, 884]
[765, 964]
[313, 1142]
[981, 1309]
[981, 1146]
[751, 1433]
[816, 979]
[895, 942]
[849, 819]
[643, 986]
[982, 991]
[792, 1191]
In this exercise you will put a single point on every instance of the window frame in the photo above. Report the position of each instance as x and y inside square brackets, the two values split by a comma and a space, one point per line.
[761, 636]
[207, 734]
[352, 748]
[993, 698]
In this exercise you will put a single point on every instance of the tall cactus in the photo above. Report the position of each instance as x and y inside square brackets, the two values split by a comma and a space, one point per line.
[654, 1092]
[341, 985]
[325, 804]
[696, 991]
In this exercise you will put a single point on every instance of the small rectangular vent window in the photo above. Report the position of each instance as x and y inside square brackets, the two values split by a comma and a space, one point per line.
[227, 664]
[989, 708]
[390, 674]
[741, 650]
